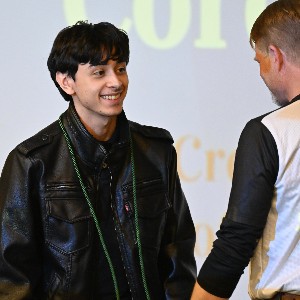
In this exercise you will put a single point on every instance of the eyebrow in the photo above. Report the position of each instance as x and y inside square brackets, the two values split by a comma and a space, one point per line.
[95, 67]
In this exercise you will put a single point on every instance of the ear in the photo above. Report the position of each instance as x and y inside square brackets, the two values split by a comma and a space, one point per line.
[277, 56]
[66, 82]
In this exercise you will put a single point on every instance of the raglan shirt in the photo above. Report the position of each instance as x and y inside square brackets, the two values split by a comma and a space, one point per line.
[262, 222]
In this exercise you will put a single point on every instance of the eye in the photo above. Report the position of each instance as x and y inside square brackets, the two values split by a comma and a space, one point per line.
[121, 68]
[98, 73]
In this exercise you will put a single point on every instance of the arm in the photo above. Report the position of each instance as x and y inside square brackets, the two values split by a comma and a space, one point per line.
[19, 255]
[200, 293]
[255, 172]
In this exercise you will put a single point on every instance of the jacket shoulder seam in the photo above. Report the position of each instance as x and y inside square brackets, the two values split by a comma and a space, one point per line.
[151, 132]
[42, 138]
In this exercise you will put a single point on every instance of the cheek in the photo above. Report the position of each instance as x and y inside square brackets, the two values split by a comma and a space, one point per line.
[261, 71]
[125, 81]
[265, 67]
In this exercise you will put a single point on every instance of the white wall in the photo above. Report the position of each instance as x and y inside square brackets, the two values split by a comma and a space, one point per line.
[191, 72]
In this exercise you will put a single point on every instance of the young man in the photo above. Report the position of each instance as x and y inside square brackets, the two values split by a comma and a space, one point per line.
[262, 221]
[91, 206]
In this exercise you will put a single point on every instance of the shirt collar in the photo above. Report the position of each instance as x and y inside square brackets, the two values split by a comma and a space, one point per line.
[295, 98]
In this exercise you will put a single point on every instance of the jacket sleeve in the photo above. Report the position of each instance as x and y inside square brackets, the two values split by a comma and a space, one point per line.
[255, 173]
[19, 230]
[179, 237]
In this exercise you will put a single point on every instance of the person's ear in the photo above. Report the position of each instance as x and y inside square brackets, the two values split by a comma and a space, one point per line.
[277, 56]
[66, 82]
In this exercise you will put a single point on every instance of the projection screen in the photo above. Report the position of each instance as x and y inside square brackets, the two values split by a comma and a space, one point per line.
[191, 71]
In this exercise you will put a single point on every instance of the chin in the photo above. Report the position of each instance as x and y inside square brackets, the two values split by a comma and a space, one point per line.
[114, 112]
[280, 101]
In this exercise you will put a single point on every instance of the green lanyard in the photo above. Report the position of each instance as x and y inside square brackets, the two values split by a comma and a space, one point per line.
[113, 274]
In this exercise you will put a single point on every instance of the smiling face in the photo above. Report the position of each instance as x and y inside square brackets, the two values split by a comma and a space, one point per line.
[98, 91]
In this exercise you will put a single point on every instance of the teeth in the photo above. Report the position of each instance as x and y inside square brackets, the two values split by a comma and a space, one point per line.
[111, 97]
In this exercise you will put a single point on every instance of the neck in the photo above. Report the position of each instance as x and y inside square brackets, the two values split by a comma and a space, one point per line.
[100, 127]
[102, 132]
[292, 81]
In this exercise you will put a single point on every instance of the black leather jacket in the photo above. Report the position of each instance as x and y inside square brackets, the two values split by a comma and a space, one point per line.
[47, 234]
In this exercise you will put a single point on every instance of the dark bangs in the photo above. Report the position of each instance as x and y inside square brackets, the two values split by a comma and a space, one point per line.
[100, 43]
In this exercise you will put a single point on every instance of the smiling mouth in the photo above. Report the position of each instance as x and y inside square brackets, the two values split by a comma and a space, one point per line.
[111, 97]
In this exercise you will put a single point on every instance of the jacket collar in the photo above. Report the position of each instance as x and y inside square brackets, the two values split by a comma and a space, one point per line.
[90, 150]
[295, 99]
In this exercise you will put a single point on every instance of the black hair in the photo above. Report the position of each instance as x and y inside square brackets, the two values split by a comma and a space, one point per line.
[86, 43]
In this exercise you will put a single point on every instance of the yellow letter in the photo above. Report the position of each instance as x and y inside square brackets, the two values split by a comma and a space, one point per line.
[75, 11]
[210, 25]
[179, 21]
[179, 147]
[204, 243]
[252, 11]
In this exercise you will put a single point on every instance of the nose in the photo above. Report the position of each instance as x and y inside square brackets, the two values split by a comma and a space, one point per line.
[113, 81]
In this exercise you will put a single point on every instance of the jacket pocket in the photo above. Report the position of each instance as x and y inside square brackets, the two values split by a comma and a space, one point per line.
[68, 217]
[152, 207]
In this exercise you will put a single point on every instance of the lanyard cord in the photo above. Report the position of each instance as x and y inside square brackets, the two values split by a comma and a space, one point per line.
[136, 220]
[96, 220]
[91, 209]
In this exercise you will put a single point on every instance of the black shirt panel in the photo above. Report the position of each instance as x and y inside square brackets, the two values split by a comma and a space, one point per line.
[255, 172]
[230, 254]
